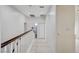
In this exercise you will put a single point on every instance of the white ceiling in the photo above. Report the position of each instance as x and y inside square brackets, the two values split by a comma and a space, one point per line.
[33, 9]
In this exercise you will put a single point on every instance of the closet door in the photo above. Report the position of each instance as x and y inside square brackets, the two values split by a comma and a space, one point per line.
[65, 41]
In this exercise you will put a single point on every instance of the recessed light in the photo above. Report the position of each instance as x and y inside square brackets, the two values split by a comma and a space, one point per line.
[41, 6]
[32, 15]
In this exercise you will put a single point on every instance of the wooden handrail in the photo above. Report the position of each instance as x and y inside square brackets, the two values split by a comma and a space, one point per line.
[13, 39]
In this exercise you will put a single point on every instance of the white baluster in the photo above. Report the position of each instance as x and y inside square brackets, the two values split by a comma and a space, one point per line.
[15, 46]
[11, 47]
[5, 49]
[19, 45]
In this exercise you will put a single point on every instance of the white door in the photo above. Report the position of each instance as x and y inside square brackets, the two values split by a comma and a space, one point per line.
[41, 31]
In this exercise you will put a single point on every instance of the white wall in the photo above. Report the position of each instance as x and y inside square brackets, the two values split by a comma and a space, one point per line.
[77, 25]
[0, 35]
[77, 29]
[50, 29]
[12, 23]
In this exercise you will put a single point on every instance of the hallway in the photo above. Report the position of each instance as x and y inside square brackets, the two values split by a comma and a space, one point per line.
[39, 29]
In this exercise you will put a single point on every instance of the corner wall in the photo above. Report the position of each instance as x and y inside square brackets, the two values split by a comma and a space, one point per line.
[50, 29]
